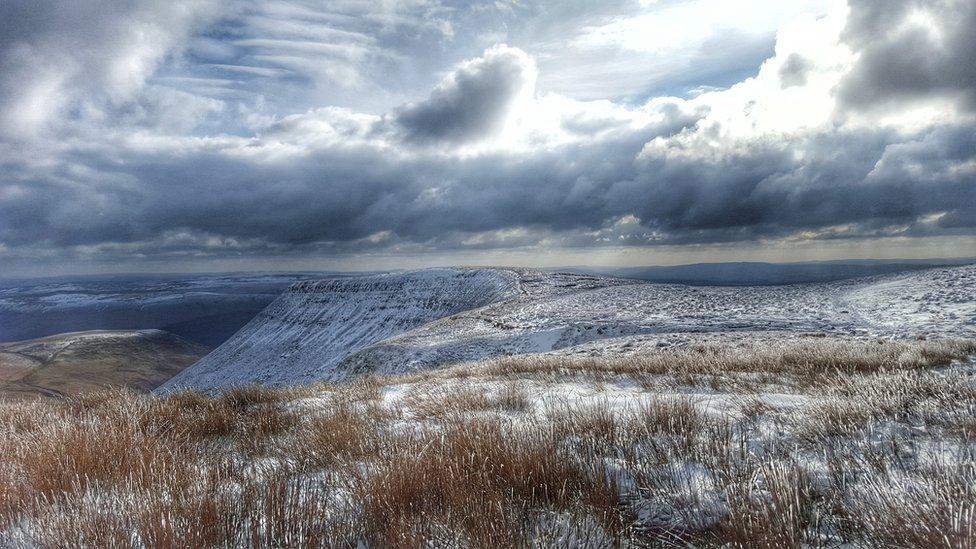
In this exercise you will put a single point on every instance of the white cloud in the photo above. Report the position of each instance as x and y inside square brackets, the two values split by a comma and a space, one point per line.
[667, 28]
[673, 46]
[168, 158]
[69, 56]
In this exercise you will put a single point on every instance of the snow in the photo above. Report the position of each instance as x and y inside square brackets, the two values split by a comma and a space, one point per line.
[136, 290]
[306, 332]
[396, 323]
[936, 300]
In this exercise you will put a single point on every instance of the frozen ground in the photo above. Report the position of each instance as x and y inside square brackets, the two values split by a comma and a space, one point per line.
[810, 441]
[333, 330]
[631, 415]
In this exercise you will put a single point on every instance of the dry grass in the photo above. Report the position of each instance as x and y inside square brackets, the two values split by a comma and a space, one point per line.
[806, 363]
[429, 400]
[776, 508]
[936, 508]
[343, 435]
[880, 453]
[678, 417]
[478, 480]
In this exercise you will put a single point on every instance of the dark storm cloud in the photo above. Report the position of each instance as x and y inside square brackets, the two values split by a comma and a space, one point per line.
[336, 193]
[863, 179]
[959, 218]
[472, 102]
[431, 174]
[911, 49]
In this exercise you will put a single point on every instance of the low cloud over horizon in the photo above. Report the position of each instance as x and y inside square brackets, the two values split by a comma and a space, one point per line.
[201, 134]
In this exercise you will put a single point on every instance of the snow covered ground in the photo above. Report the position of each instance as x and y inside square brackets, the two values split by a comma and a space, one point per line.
[631, 415]
[822, 441]
[306, 332]
[336, 329]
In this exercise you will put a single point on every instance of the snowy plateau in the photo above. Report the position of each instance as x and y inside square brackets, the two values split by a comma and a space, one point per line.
[337, 329]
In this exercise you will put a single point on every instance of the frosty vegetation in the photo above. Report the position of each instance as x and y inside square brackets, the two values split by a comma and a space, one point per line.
[817, 441]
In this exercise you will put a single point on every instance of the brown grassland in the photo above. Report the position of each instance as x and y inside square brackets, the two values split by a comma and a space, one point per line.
[816, 442]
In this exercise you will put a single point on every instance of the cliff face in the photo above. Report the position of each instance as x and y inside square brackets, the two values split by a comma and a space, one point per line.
[312, 327]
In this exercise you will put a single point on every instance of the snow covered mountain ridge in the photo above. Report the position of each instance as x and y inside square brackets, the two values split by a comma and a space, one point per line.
[308, 330]
[394, 323]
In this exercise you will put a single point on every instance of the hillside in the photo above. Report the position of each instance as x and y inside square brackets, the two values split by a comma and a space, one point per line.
[337, 329]
[308, 330]
[78, 362]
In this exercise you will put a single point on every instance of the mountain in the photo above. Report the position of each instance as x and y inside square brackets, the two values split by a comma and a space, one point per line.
[303, 334]
[336, 329]
[73, 363]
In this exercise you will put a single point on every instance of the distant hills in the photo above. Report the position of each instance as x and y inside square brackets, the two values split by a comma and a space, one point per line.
[767, 274]
[73, 363]
[210, 308]
[206, 309]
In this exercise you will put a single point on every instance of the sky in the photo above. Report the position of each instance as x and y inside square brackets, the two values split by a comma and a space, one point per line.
[217, 135]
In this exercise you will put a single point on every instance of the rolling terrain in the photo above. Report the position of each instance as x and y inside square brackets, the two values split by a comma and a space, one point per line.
[337, 329]
[79, 362]
[206, 309]
[517, 408]
[770, 274]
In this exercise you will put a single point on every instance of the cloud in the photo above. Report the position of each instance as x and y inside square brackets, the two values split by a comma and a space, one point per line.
[794, 71]
[473, 102]
[668, 47]
[60, 59]
[911, 50]
[292, 55]
[485, 161]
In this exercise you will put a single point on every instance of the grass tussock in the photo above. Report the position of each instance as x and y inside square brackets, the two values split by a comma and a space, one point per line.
[807, 363]
[775, 508]
[480, 480]
[939, 511]
[877, 453]
[343, 435]
[435, 401]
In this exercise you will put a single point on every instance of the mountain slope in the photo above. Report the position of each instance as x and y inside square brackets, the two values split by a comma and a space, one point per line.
[636, 316]
[309, 329]
[335, 330]
[77, 362]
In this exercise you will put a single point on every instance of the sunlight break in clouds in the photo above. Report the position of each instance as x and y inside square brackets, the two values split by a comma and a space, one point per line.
[201, 135]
